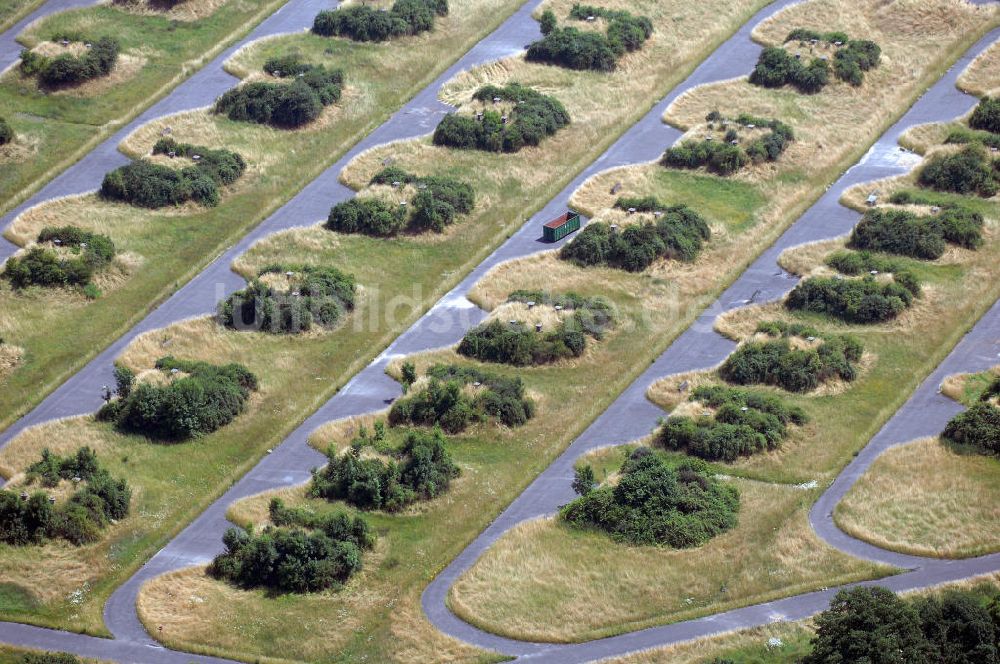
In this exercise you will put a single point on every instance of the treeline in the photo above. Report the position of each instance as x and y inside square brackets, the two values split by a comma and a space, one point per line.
[678, 233]
[729, 156]
[284, 105]
[777, 67]
[438, 202]
[420, 469]
[521, 345]
[150, 185]
[533, 117]
[978, 428]
[67, 69]
[365, 23]
[314, 553]
[970, 171]
[742, 423]
[776, 361]
[655, 503]
[87, 252]
[314, 296]
[456, 397]
[582, 49]
[99, 500]
[197, 399]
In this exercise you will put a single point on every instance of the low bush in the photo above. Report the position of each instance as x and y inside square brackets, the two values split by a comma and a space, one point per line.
[315, 296]
[200, 399]
[150, 185]
[977, 428]
[6, 133]
[520, 345]
[967, 172]
[987, 115]
[776, 67]
[99, 500]
[724, 158]
[448, 403]
[656, 504]
[866, 300]
[420, 469]
[905, 234]
[48, 658]
[43, 266]
[578, 49]
[365, 23]
[860, 262]
[534, 117]
[744, 422]
[778, 362]
[679, 233]
[67, 69]
[963, 135]
[286, 105]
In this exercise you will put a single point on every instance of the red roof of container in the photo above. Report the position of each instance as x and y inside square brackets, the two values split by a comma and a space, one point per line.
[559, 221]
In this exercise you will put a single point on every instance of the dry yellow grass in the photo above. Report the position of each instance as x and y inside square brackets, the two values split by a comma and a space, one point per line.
[708, 648]
[925, 499]
[542, 580]
[982, 76]
[10, 358]
[959, 386]
[187, 10]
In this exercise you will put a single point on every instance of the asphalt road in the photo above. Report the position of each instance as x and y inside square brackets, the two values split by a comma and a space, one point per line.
[629, 417]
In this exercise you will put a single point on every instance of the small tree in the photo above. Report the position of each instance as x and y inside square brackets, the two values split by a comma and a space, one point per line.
[583, 480]
[408, 375]
[548, 21]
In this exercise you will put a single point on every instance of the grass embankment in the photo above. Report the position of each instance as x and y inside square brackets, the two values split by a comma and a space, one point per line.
[56, 128]
[572, 392]
[12, 11]
[982, 76]
[60, 329]
[175, 243]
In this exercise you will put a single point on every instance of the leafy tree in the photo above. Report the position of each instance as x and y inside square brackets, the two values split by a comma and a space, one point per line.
[584, 480]
[408, 375]
[547, 23]
[987, 115]
[959, 630]
[6, 133]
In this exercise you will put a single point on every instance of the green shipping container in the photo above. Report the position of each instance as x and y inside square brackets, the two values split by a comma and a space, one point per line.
[561, 226]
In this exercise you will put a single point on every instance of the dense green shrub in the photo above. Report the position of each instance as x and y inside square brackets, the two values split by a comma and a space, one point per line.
[778, 362]
[987, 115]
[962, 135]
[49, 658]
[855, 58]
[861, 262]
[6, 133]
[292, 559]
[534, 117]
[978, 428]
[370, 216]
[204, 398]
[286, 105]
[745, 422]
[420, 469]
[315, 295]
[521, 345]
[579, 49]
[906, 234]
[68, 69]
[444, 402]
[149, 185]
[364, 23]
[42, 266]
[679, 233]
[967, 172]
[656, 504]
[99, 500]
[439, 201]
[724, 158]
[777, 67]
[865, 300]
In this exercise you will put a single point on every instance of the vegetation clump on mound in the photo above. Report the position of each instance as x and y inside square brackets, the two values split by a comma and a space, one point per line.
[420, 469]
[456, 397]
[978, 428]
[743, 423]
[44, 266]
[794, 367]
[986, 117]
[437, 204]
[196, 399]
[48, 658]
[777, 67]
[678, 233]
[6, 132]
[963, 135]
[151, 185]
[314, 296]
[99, 500]
[579, 49]
[866, 300]
[364, 23]
[656, 504]
[284, 105]
[315, 553]
[521, 345]
[533, 117]
[903, 233]
[970, 171]
[67, 69]
[725, 157]
[872, 624]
